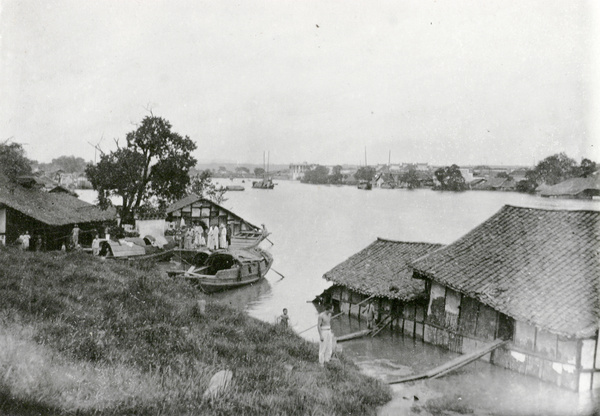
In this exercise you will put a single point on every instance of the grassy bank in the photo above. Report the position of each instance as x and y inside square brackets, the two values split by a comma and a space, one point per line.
[86, 336]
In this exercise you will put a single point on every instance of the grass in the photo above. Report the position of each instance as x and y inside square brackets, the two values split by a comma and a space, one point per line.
[79, 335]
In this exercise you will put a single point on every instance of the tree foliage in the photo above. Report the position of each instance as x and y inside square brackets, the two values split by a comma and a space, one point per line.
[242, 169]
[555, 169]
[411, 179]
[13, 162]
[450, 178]
[202, 185]
[259, 171]
[155, 163]
[318, 175]
[365, 173]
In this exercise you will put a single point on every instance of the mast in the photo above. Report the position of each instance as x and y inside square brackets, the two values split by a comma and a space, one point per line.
[365, 156]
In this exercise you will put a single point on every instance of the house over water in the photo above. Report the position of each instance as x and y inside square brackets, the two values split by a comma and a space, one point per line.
[578, 188]
[382, 270]
[530, 276]
[194, 209]
[50, 215]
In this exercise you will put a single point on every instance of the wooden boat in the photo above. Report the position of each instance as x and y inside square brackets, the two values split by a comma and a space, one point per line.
[135, 248]
[235, 188]
[263, 184]
[366, 185]
[231, 268]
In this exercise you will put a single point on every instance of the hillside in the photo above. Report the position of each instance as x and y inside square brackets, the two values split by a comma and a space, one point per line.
[86, 336]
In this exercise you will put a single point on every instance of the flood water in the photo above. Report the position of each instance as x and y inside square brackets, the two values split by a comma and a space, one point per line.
[313, 228]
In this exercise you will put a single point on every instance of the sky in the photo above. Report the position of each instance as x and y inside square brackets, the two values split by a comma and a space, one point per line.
[499, 82]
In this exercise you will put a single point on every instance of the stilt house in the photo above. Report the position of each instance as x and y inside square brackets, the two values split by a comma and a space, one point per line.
[382, 270]
[530, 276]
[195, 209]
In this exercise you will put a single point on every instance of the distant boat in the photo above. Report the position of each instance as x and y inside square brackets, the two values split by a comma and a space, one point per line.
[263, 184]
[235, 188]
[231, 268]
[366, 185]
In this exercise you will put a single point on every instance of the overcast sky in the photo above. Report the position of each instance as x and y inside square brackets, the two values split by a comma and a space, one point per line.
[466, 82]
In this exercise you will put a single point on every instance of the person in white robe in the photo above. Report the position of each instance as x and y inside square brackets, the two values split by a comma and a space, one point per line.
[223, 237]
[211, 239]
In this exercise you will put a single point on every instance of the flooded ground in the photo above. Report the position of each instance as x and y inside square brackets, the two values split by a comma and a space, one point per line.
[478, 388]
[316, 227]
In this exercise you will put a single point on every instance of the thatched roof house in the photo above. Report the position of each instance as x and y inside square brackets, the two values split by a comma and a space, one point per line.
[41, 212]
[536, 266]
[382, 269]
[585, 188]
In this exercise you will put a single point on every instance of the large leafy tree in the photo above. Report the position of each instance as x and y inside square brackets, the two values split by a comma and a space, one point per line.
[154, 164]
[365, 173]
[554, 169]
[411, 178]
[318, 175]
[13, 162]
[450, 178]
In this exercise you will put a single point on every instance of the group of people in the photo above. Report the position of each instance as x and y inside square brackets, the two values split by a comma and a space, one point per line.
[193, 237]
[24, 242]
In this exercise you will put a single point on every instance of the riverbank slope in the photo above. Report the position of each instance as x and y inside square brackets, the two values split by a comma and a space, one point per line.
[78, 334]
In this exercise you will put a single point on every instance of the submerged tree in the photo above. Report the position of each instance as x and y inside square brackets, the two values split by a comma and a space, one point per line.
[155, 163]
[450, 178]
[411, 178]
[365, 173]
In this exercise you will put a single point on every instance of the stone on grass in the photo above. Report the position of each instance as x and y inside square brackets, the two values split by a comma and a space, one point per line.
[219, 384]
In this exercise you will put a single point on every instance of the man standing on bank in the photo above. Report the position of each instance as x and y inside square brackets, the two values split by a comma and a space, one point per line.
[325, 335]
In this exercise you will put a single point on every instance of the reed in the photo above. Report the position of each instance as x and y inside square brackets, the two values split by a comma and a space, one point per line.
[86, 336]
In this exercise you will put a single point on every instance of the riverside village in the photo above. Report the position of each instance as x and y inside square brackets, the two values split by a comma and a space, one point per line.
[304, 208]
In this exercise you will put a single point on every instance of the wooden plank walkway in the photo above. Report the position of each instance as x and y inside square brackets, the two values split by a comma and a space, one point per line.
[454, 364]
[384, 322]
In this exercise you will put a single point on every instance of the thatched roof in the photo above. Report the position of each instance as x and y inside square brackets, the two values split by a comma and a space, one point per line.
[573, 186]
[382, 269]
[52, 208]
[534, 265]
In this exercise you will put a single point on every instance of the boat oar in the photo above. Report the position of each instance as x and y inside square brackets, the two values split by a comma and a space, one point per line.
[339, 314]
[282, 276]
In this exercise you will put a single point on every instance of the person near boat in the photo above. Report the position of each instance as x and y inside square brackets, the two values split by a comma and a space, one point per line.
[223, 237]
[187, 242]
[75, 236]
[325, 335]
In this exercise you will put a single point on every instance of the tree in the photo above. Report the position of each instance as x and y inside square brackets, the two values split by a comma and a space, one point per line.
[450, 178]
[365, 173]
[336, 175]
[202, 185]
[411, 179]
[318, 175]
[69, 164]
[242, 169]
[222, 169]
[554, 169]
[155, 163]
[259, 171]
[13, 162]
[585, 169]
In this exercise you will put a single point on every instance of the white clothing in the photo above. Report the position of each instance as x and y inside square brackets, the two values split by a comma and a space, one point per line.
[223, 240]
[325, 346]
[25, 241]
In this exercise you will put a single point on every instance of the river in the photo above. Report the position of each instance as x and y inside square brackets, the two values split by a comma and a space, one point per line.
[313, 228]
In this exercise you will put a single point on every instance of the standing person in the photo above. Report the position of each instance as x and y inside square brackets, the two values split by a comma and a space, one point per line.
[284, 318]
[215, 237]
[75, 236]
[325, 335]
[223, 239]
[188, 239]
[24, 240]
[370, 315]
[38, 243]
[96, 245]
[210, 238]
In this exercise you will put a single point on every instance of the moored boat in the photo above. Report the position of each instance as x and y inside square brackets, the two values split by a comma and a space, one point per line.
[364, 185]
[231, 268]
[235, 188]
[263, 184]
